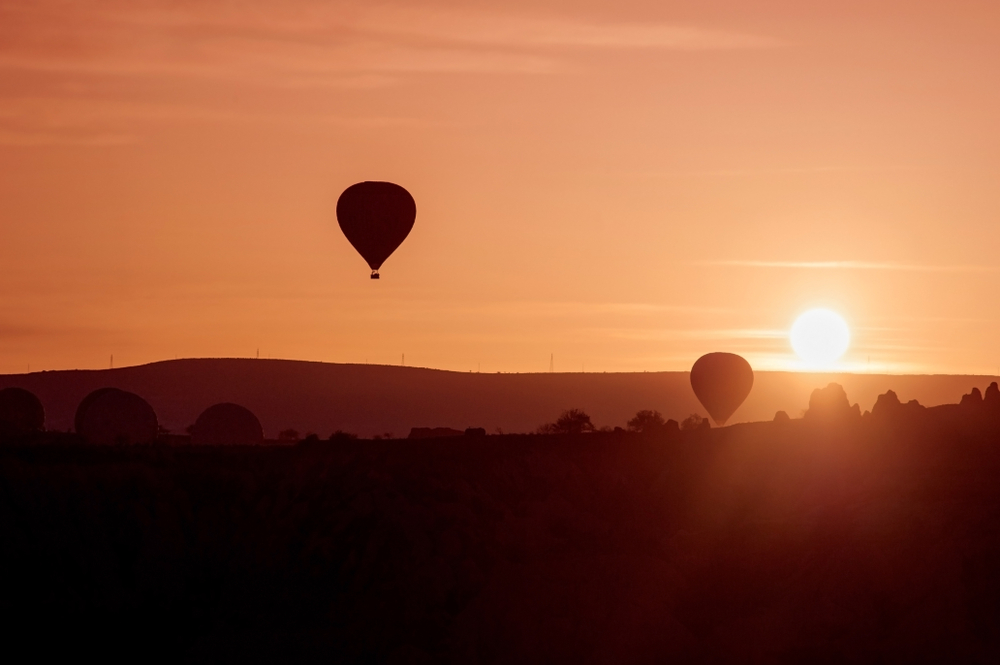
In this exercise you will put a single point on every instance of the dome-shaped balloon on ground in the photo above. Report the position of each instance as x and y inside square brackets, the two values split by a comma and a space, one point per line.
[227, 425]
[376, 217]
[114, 416]
[721, 381]
[85, 404]
[20, 412]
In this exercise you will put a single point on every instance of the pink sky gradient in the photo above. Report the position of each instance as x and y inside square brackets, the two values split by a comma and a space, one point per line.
[626, 185]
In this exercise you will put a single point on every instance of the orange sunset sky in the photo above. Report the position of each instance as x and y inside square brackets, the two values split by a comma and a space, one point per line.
[625, 185]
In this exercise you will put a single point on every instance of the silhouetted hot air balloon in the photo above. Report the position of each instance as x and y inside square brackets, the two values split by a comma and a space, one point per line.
[85, 404]
[20, 412]
[376, 217]
[227, 424]
[721, 381]
[114, 416]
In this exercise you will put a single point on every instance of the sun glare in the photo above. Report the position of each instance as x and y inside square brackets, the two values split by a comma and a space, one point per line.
[820, 337]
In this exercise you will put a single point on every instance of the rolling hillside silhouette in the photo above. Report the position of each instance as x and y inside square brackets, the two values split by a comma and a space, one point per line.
[375, 399]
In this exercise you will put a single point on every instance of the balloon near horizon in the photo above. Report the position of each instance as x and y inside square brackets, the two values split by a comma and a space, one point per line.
[110, 416]
[376, 217]
[721, 382]
[227, 424]
[21, 412]
[819, 338]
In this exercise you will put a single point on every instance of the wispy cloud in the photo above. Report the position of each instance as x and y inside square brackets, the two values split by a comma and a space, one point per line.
[537, 31]
[315, 41]
[851, 265]
[34, 121]
[295, 44]
[745, 334]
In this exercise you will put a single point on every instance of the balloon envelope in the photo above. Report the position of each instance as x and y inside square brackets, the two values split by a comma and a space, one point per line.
[20, 412]
[115, 416]
[227, 424]
[721, 381]
[85, 403]
[376, 217]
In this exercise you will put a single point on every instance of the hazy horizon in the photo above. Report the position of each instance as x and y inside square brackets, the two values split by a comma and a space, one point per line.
[794, 371]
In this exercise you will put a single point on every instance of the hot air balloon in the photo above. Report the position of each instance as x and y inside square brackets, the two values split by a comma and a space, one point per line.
[114, 416]
[721, 381]
[376, 217]
[20, 412]
[85, 403]
[227, 424]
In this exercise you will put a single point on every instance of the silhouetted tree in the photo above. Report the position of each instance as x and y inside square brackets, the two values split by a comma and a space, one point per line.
[972, 401]
[830, 404]
[341, 435]
[694, 421]
[647, 421]
[992, 398]
[573, 421]
[888, 407]
[288, 435]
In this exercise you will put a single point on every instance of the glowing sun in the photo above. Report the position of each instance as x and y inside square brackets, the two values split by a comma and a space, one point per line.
[820, 337]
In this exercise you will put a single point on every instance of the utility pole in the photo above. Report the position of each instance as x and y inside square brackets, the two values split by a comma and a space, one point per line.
[552, 363]
[403, 360]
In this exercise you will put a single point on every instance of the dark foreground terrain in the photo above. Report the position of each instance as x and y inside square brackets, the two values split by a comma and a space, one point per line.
[850, 539]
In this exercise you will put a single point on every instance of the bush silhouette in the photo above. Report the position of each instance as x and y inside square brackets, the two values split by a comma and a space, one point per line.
[573, 421]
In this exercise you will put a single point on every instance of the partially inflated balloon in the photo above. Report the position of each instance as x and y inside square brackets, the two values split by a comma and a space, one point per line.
[376, 217]
[113, 417]
[721, 381]
[227, 424]
[21, 412]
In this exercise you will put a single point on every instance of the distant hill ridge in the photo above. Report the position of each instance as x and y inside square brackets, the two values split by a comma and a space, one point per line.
[376, 399]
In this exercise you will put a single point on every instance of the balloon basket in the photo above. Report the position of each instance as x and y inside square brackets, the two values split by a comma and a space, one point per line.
[374, 274]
